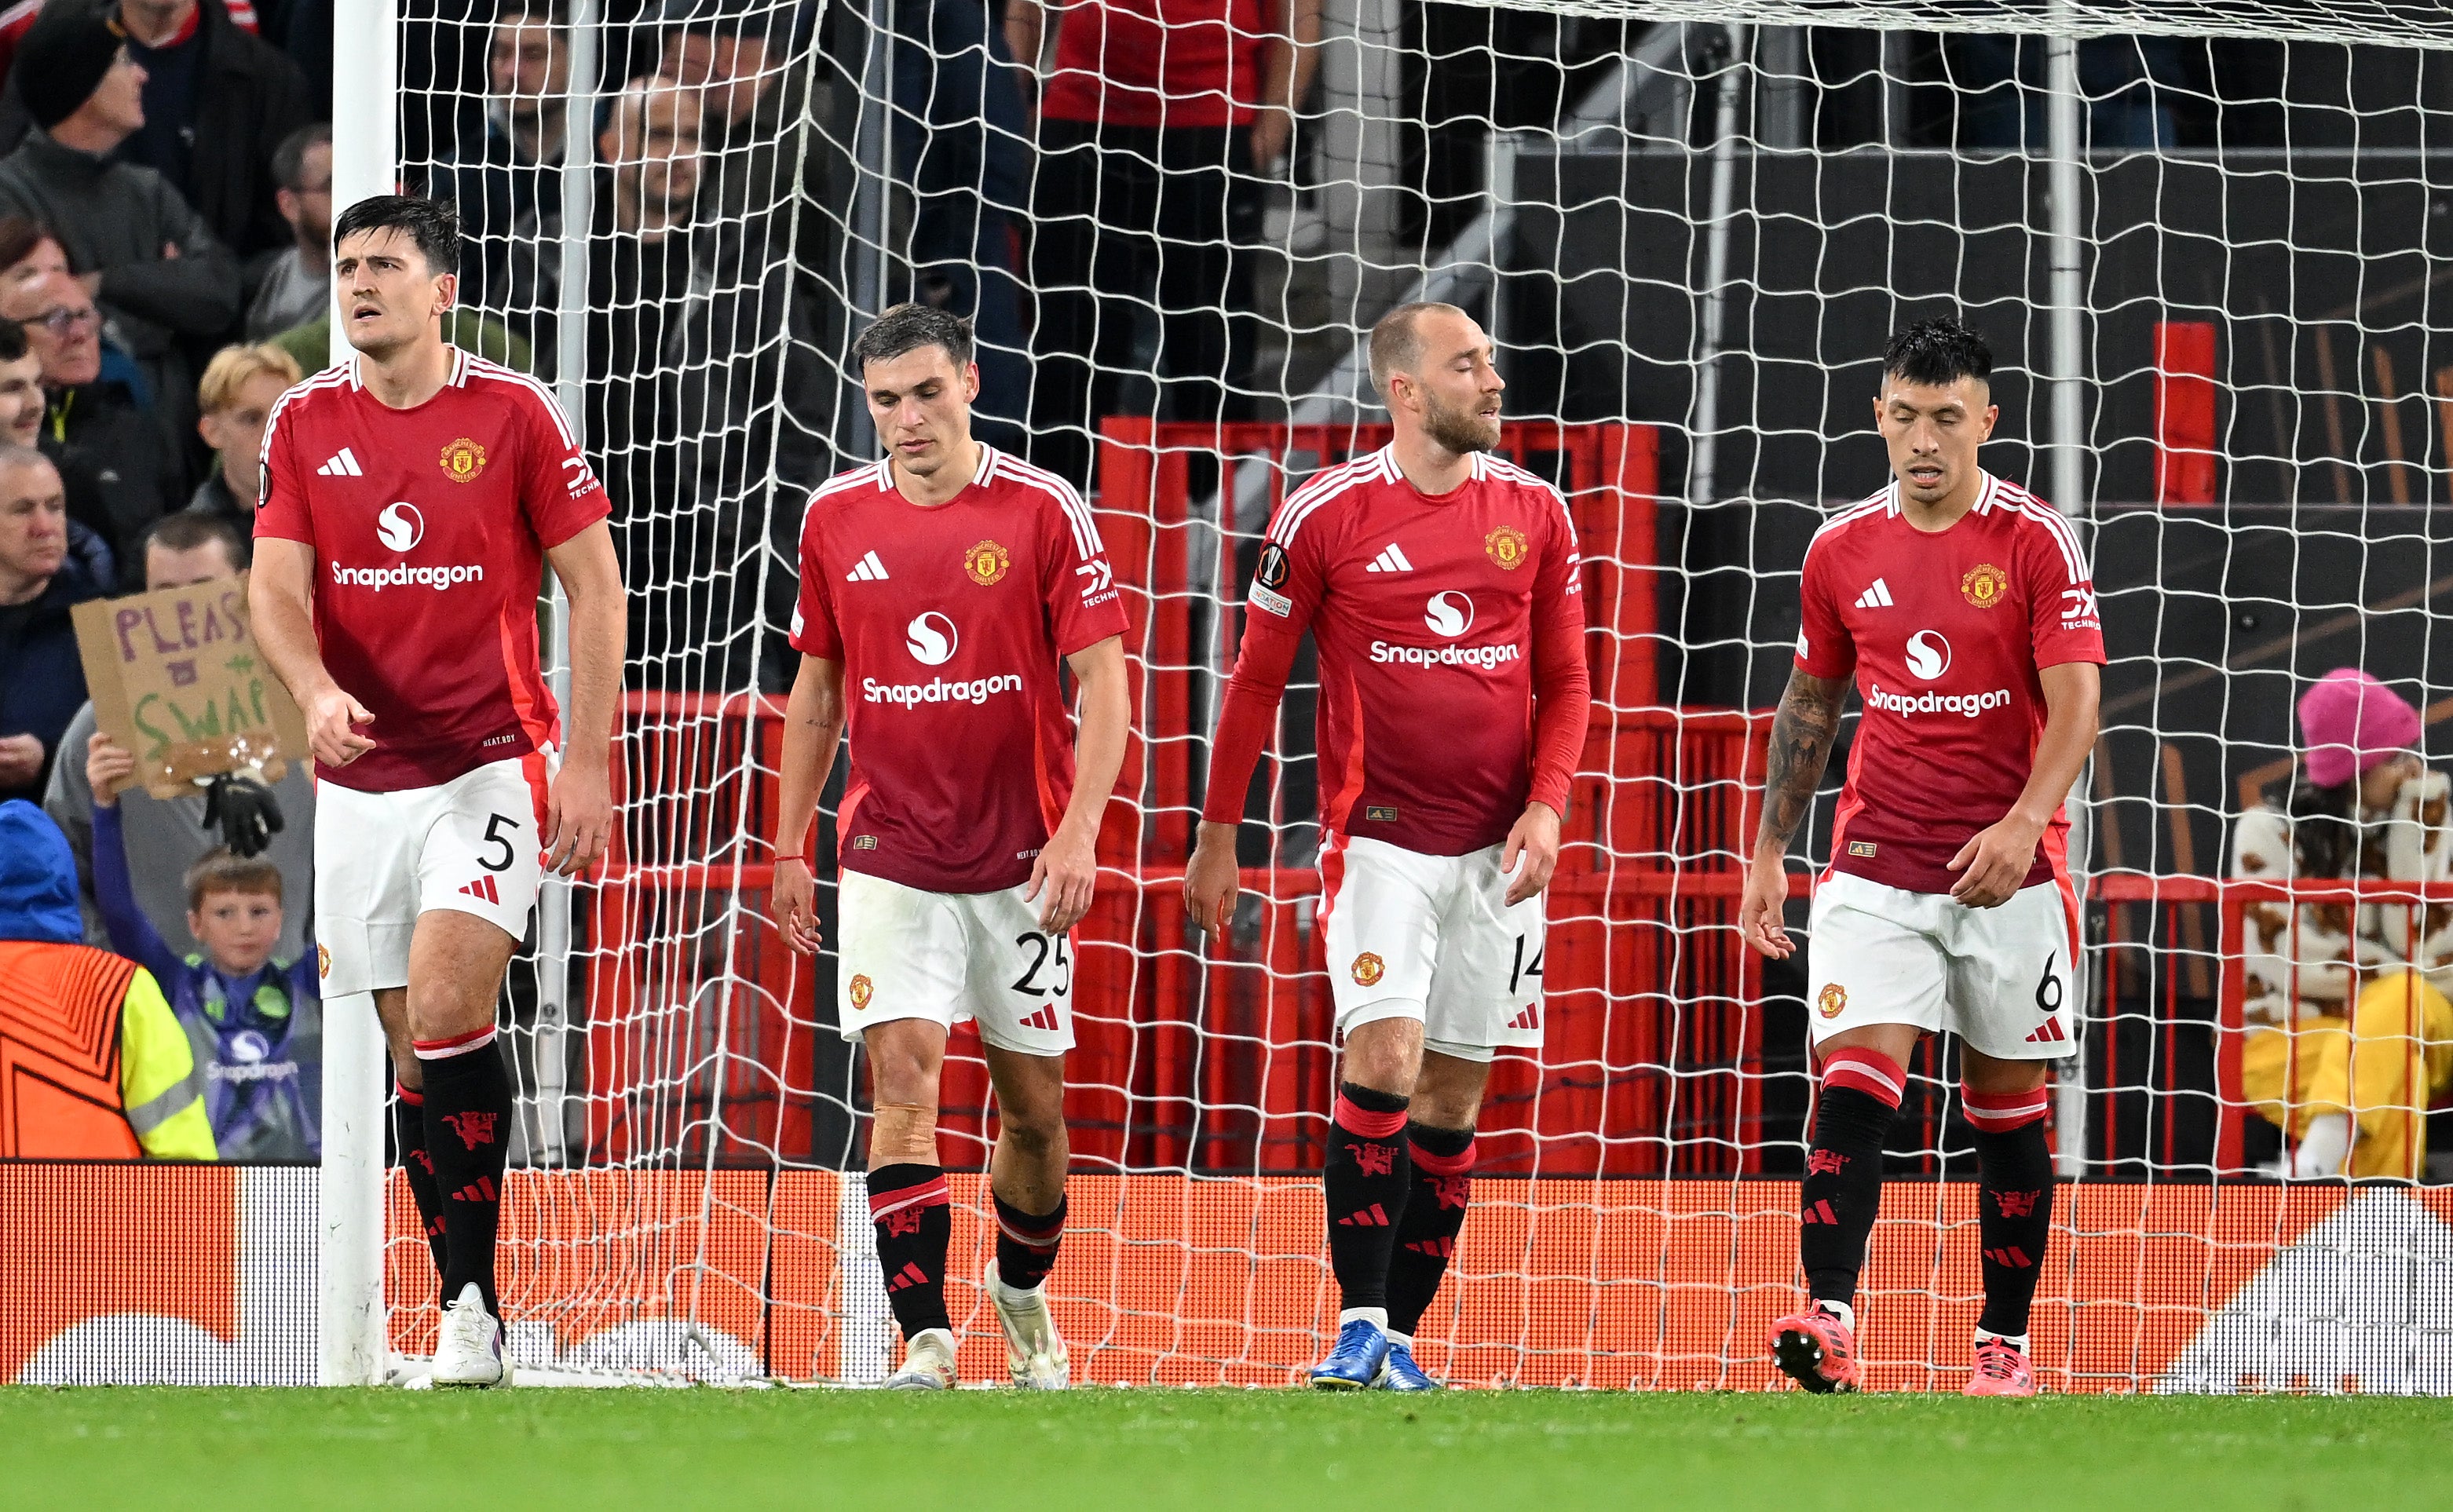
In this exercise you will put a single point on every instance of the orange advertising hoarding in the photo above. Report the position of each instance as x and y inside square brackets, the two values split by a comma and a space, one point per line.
[156, 1273]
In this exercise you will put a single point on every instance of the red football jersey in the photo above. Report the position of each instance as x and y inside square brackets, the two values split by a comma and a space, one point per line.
[1946, 633]
[949, 624]
[1438, 621]
[430, 527]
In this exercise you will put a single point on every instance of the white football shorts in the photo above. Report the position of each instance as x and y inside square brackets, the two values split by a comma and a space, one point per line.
[903, 953]
[2006, 980]
[1431, 939]
[473, 844]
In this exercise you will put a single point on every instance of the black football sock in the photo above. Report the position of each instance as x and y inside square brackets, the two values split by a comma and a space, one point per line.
[409, 1132]
[1364, 1182]
[1435, 1203]
[1843, 1190]
[1026, 1248]
[907, 1205]
[2014, 1203]
[467, 1136]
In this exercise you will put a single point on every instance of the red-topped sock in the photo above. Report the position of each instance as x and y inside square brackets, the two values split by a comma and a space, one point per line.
[2014, 1204]
[1435, 1204]
[1843, 1190]
[1365, 1180]
[467, 1136]
[906, 1203]
[1027, 1243]
[409, 1132]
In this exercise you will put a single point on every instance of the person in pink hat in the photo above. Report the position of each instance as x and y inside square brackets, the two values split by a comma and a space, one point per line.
[2350, 1032]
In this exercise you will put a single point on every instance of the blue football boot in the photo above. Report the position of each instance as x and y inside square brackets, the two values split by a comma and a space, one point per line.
[1354, 1364]
[1398, 1372]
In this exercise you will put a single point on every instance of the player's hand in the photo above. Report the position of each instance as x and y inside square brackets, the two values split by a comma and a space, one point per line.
[1212, 879]
[578, 818]
[21, 760]
[793, 900]
[1273, 127]
[107, 762]
[1992, 866]
[332, 718]
[1535, 840]
[1063, 877]
[1760, 911]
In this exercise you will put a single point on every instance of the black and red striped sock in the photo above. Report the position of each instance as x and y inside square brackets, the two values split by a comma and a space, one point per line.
[1364, 1182]
[467, 1136]
[2014, 1203]
[1025, 1248]
[1843, 1190]
[1435, 1204]
[907, 1206]
[409, 1132]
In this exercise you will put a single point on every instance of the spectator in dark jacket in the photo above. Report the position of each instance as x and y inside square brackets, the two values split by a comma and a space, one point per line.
[41, 680]
[236, 395]
[91, 421]
[92, 536]
[146, 256]
[500, 181]
[217, 100]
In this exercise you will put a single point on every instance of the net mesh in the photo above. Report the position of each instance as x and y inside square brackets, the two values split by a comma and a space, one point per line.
[1690, 239]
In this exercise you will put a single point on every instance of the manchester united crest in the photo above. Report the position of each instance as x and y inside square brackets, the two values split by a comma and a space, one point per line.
[1369, 968]
[1507, 546]
[860, 991]
[987, 563]
[463, 460]
[1985, 584]
[1833, 1000]
[323, 961]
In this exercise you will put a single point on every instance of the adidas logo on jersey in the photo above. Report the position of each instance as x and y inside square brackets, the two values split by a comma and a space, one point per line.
[1391, 560]
[868, 569]
[1043, 1017]
[344, 464]
[2048, 1033]
[1529, 1017]
[483, 889]
[1877, 597]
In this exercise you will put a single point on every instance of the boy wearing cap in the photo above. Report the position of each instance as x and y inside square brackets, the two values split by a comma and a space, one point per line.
[2360, 990]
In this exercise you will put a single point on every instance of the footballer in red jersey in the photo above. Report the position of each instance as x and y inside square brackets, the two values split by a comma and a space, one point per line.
[412, 498]
[1440, 584]
[943, 591]
[1964, 608]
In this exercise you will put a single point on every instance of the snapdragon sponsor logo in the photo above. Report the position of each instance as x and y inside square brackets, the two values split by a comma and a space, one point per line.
[1966, 704]
[1485, 657]
[941, 690]
[400, 574]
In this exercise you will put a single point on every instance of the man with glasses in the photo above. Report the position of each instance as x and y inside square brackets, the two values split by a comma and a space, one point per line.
[91, 423]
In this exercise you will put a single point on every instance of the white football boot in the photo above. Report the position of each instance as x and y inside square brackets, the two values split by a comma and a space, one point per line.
[928, 1363]
[470, 1350]
[1034, 1351]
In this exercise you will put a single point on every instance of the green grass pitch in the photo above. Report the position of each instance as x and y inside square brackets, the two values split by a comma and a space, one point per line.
[292, 1451]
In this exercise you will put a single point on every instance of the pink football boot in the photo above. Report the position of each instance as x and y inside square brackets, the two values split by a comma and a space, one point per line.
[2001, 1371]
[1817, 1350]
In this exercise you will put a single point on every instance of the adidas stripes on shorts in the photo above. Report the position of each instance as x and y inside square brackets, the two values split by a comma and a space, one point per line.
[2004, 979]
[1431, 937]
[903, 953]
[472, 844]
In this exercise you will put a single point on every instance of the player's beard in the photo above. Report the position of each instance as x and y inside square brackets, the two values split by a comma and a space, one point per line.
[1460, 431]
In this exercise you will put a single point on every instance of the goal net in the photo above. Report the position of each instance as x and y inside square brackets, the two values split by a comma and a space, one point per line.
[2204, 240]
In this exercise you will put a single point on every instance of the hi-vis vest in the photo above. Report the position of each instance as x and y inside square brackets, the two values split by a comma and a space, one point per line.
[62, 1046]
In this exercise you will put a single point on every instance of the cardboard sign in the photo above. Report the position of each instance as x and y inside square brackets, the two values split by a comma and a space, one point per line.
[177, 678]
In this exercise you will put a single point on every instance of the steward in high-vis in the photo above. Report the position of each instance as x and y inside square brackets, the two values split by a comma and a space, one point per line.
[93, 1065]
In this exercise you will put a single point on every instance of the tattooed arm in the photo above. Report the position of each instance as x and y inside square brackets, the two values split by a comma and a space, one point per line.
[1801, 733]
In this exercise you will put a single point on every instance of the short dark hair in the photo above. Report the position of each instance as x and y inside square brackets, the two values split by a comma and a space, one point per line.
[552, 13]
[12, 340]
[220, 871]
[186, 530]
[1938, 351]
[433, 225]
[908, 328]
[19, 236]
[289, 158]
